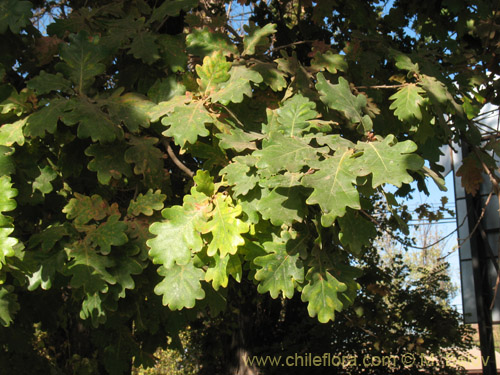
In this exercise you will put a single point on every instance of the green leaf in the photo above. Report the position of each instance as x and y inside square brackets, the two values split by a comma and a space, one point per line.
[278, 271]
[46, 82]
[334, 141]
[177, 237]
[407, 102]
[283, 205]
[388, 161]
[187, 123]
[14, 14]
[166, 107]
[8, 303]
[12, 133]
[125, 267]
[334, 185]
[356, 232]
[108, 162]
[7, 193]
[215, 70]
[204, 183]
[144, 47]
[7, 203]
[173, 52]
[47, 238]
[285, 153]
[44, 276]
[204, 42]
[271, 76]
[6, 243]
[89, 269]
[438, 92]
[286, 180]
[146, 204]
[165, 89]
[181, 286]
[257, 37]
[332, 62]
[237, 175]
[238, 85]
[172, 8]
[92, 308]
[321, 293]
[93, 122]
[234, 268]
[217, 272]
[148, 159]
[6, 164]
[43, 181]
[340, 98]
[295, 114]
[16, 103]
[238, 140]
[131, 110]
[110, 233]
[119, 31]
[45, 119]
[403, 62]
[83, 209]
[224, 226]
[82, 60]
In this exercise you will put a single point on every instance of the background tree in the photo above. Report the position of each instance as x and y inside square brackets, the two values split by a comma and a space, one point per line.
[157, 166]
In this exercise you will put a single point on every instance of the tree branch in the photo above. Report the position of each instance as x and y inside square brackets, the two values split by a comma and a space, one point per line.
[291, 44]
[174, 158]
[231, 114]
[383, 86]
[235, 34]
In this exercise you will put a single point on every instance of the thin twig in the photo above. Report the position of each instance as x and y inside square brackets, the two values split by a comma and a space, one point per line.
[383, 86]
[493, 179]
[291, 44]
[391, 233]
[234, 32]
[176, 161]
[231, 114]
[483, 211]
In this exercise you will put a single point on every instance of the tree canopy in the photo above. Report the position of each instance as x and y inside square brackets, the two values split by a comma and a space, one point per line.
[153, 157]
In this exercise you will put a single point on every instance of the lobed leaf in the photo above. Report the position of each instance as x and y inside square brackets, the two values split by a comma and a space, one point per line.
[321, 293]
[178, 237]
[388, 161]
[295, 114]
[180, 287]
[224, 226]
[278, 271]
[146, 204]
[187, 123]
[334, 185]
[340, 98]
[108, 162]
[238, 85]
[407, 103]
[83, 209]
[257, 37]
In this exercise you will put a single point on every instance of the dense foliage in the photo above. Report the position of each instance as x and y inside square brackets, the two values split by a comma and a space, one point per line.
[152, 158]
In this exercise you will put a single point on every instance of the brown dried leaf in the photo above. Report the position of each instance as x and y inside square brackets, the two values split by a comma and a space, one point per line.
[471, 173]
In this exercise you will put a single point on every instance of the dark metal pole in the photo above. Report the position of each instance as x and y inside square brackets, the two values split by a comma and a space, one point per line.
[483, 288]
